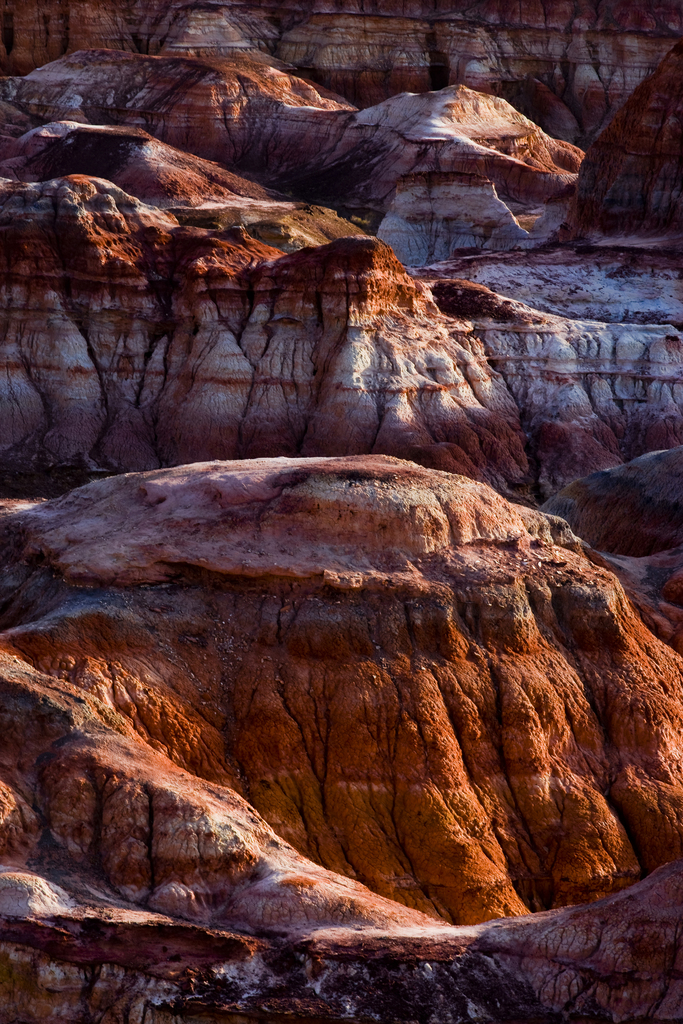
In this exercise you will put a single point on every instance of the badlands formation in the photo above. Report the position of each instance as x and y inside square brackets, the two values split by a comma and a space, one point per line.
[341, 528]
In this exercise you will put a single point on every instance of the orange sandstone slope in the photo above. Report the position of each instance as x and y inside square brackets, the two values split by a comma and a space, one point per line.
[156, 896]
[417, 684]
[132, 342]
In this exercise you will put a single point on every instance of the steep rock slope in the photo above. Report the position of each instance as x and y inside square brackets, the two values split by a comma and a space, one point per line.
[433, 214]
[590, 394]
[568, 68]
[131, 342]
[416, 683]
[647, 494]
[634, 515]
[260, 121]
[630, 181]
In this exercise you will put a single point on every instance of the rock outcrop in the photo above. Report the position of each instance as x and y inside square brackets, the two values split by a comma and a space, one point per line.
[132, 342]
[433, 214]
[568, 68]
[261, 122]
[199, 192]
[591, 395]
[417, 684]
[613, 284]
[630, 181]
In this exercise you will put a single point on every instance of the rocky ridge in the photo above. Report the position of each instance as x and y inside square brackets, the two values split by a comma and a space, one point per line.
[274, 126]
[389, 658]
[264, 354]
[569, 69]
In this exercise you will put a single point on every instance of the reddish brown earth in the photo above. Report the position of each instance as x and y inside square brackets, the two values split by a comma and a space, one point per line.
[415, 683]
[386, 661]
[629, 182]
[259, 121]
[569, 68]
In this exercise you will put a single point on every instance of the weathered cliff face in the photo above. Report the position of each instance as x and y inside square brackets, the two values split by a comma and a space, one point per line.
[629, 185]
[417, 684]
[262, 122]
[590, 394]
[569, 69]
[131, 342]
[433, 214]
[200, 193]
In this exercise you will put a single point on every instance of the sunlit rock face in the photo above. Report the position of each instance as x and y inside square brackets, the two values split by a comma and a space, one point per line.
[569, 69]
[630, 183]
[132, 342]
[417, 684]
[591, 395]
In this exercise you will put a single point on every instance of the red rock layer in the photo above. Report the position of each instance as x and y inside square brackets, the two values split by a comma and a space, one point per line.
[629, 183]
[131, 342]
[262, 122]
[568, 68]
[416, 683]
[128, 157]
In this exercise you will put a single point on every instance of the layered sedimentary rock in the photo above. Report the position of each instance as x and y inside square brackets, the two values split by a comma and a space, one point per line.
[634, 515]
[262, 122]
[199, 192]
[630, 181]
[636, 509]
[569, 69]
[132, 342]
[433, 214]
[614, 284]
[416, 683]
[590, 394]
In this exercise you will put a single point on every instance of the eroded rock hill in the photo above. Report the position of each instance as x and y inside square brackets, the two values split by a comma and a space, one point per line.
[132, 342]
[629, 185]
[260, 121]
[591, 395]
[417, 684]
[568, 68]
